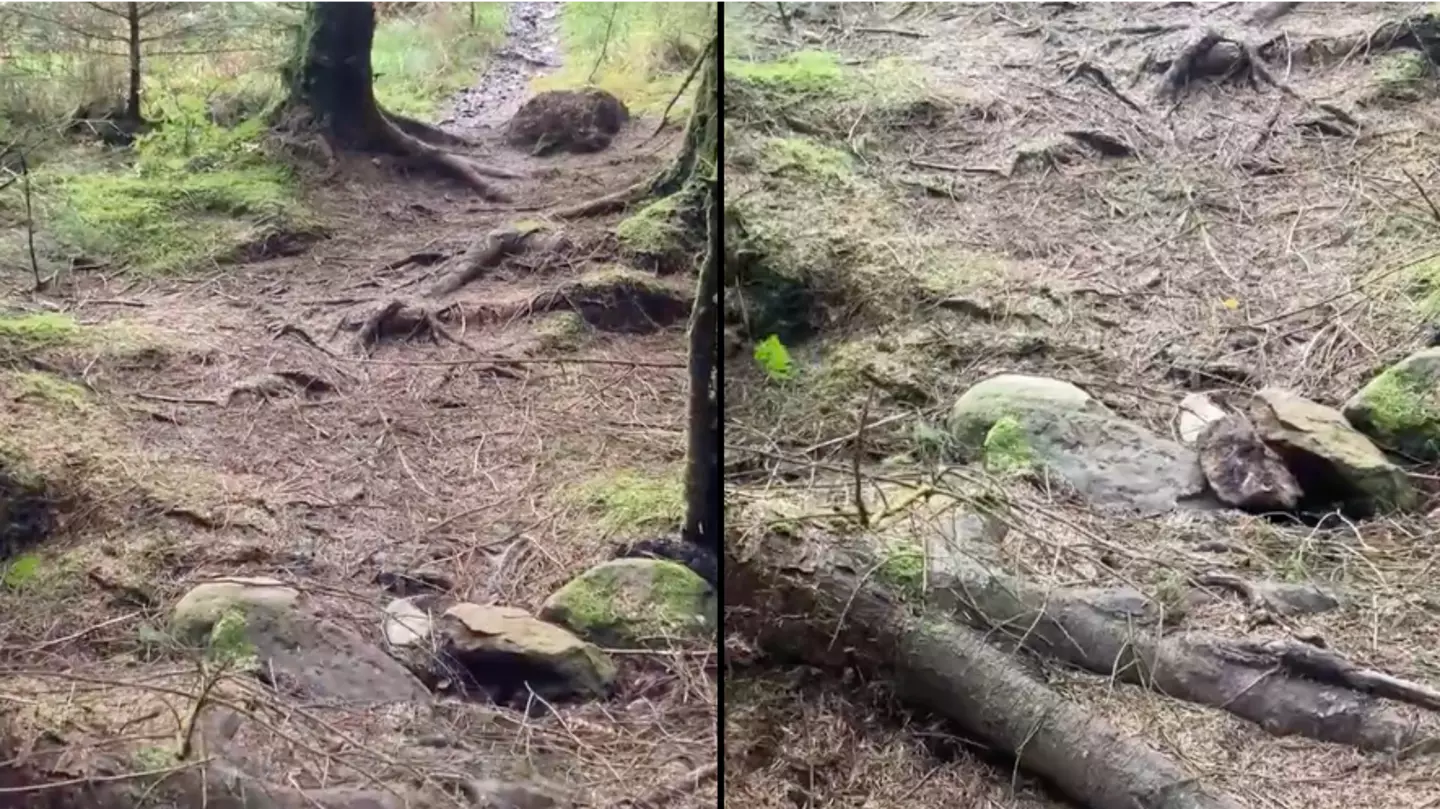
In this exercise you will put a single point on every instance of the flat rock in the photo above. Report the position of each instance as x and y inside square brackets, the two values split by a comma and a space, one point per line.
[1332, 461]
[1111, 462]
[1243, 471]
[636, 604]
[297, 652]
[1400, 408]
[504, 649]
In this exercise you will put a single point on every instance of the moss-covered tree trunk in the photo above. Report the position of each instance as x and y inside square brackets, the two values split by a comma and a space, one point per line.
[330, 75]
[132, 98]
[693, 176]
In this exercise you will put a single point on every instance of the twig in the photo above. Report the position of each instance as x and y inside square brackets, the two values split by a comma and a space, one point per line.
[899, 32]
[695, 68]
[666, 795]
[859, 451]
[29, 219]
[604, 46]
[101, 779]
[1434, 211]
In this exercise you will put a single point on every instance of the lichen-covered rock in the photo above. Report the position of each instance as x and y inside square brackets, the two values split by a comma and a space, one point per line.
[297, 652]
[505, 649]
[1332, 461]
[1400, 408]
[635, 604]
[1013, 420]
[196, 613]
[573, 120]
[1242, 470]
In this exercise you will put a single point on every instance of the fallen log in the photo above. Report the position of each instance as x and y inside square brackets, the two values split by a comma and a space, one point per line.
[1121, 633]
[832, 612]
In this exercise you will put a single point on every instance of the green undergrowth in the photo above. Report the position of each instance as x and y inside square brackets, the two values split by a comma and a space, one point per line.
[640, 52]
[630, 501]
[1401, 76]
[421, 60]
[187, 196]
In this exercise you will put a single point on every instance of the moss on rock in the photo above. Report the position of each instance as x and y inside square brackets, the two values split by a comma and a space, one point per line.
[1007, 450]
[635, 604]
[1400, 408]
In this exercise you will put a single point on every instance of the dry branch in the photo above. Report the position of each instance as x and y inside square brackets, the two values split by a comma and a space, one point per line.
[948, 669]
[1122, 634]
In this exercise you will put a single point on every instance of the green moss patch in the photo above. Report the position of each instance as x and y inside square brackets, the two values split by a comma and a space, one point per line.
[805, 157]
[1401, 76]
[804, 71]
[654, 230]
[902, 567]
[635, 603]
[1007, 450]
[560, 332]
[31, 332]
[46, 388]
[629, 502]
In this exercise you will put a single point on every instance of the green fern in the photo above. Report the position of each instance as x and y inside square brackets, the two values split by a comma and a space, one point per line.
[775, 358]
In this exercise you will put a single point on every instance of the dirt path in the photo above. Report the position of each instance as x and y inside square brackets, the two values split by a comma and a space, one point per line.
[417, 453]
[532, 48]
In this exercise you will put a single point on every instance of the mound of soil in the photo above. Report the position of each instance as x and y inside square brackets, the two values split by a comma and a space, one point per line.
[578, 121]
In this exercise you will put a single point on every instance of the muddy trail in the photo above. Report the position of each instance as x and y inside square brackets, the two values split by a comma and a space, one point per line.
[1146, 202]
[350, 421]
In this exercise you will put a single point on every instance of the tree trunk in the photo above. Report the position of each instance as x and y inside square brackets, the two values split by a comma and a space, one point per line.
[702, 464]
[928, 620]
[132, 99]
[331, 76]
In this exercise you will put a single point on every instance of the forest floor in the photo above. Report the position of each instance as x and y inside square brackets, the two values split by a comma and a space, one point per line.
[507, 459]
[909, 165]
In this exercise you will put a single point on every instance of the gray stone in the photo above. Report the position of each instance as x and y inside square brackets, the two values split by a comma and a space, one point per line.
[635, 604]
[1197, 411]
[1304, 431]
[1400, 408]
[196, 613]
[1111, 462]
[406, 623]
[297, 652]
[1242, 470]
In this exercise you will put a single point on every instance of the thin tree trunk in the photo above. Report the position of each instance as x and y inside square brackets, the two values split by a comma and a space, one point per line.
[702, 468]
[132, 101]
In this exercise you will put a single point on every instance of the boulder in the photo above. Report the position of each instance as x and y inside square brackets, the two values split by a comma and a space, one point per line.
[1059, 428]
[196, 613]
[635, 604]
[505, 649]
[1400, 408]
[1242, 471]
[1333, 462]
[570, 120]
[295, 651]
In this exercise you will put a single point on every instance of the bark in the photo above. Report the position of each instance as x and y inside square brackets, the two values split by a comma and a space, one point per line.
[132, 100]
[702, 464]
[1116, 633]
[803, 592]
[331, 76]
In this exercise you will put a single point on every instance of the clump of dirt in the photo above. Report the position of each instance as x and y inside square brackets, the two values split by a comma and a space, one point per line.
[578, 121]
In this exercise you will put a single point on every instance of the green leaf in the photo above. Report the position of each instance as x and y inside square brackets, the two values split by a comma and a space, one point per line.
[775, 358]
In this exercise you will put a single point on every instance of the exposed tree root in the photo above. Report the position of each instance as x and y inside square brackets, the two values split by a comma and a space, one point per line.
[606, 204]
[432, 135]
[1286, 688]
[485, 254]
[392, 138]
[798, 599]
